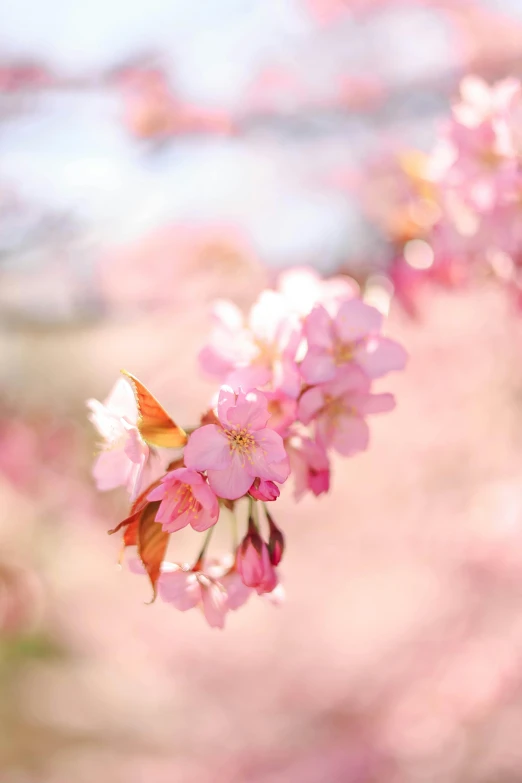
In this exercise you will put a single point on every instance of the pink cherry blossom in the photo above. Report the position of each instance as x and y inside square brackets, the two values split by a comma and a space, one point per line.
[338, 409]
[186, 499]
[125, 459]
[216, 590]
[283, 411]
[240, 448]
[230, 345]
[352, 336]
[186, 589]
[224, 571]
[479, 147]
[249, 354]
[309, 464]
[302, 288]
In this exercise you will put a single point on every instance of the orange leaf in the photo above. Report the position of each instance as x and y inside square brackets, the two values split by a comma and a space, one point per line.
[125, 522]
[155, 425]
[152, 543]
[136, 508]
[130, 536]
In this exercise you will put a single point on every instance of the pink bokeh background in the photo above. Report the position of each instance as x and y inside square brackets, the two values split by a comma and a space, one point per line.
[397, 656]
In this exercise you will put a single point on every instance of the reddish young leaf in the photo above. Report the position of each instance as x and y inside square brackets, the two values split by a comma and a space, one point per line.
[130, 536]
[152, 543]
[133, 518]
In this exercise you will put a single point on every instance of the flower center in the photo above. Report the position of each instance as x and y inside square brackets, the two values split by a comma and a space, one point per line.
[240, 441]
[334, 406]
[490, 158]
[275, 408]
[266, 352]
[186, 500]
[343, 352]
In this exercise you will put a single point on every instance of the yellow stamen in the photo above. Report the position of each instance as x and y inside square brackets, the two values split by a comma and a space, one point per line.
[241, 442]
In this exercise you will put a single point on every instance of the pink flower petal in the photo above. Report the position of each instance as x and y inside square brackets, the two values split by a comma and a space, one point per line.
[202, 519]
[111, 469]
[226, 400]
[233, 482]
[169, 509]
[174, 522]
[348, 379]
[250, 412]
[318, 329]
[121, 401]
[269, 448]
[213, 362]
[204, 495]
[227, 315]
[109, 425]
[310, 404]
[287, 378]
[180, 588]
[248, 378]
[237, 592]
[381, 356]
[135, 448]
[185, 476]
[318, 366]
[356, 319]
[267, 315]
[158, 493]
[350, 436]
[214, 604]
[207, 448]
[280, 470]
[374, 403]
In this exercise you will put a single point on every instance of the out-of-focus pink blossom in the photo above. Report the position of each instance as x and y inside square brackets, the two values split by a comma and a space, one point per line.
[253, 353]
[154, 111]
[339, 408]
[283, 411]
[239, 449]
[125, 459]
[309, 464]
[302, 288]
[351, 336]
[186, 589]
[216, 590]
[20, 599]
[186, 499]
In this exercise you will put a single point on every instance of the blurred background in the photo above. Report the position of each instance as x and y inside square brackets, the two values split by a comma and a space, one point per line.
[155, 155]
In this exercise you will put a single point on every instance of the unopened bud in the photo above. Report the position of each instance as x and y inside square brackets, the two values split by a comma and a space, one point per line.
[276, 542]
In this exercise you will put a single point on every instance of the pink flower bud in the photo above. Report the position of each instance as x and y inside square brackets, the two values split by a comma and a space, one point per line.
[276, 542]
[253, 562]
[264, 490]
[319, 481]
[269, 581]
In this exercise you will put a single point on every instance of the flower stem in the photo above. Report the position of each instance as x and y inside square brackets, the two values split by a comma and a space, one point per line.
[199, 562]
[253, 519]
[233, 525]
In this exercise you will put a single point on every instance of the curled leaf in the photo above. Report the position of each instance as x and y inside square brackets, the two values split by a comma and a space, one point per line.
[155, 425]
[152, 543]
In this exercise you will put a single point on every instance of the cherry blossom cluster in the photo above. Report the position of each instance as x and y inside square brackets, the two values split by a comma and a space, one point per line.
[458, 211]
[296, 384]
